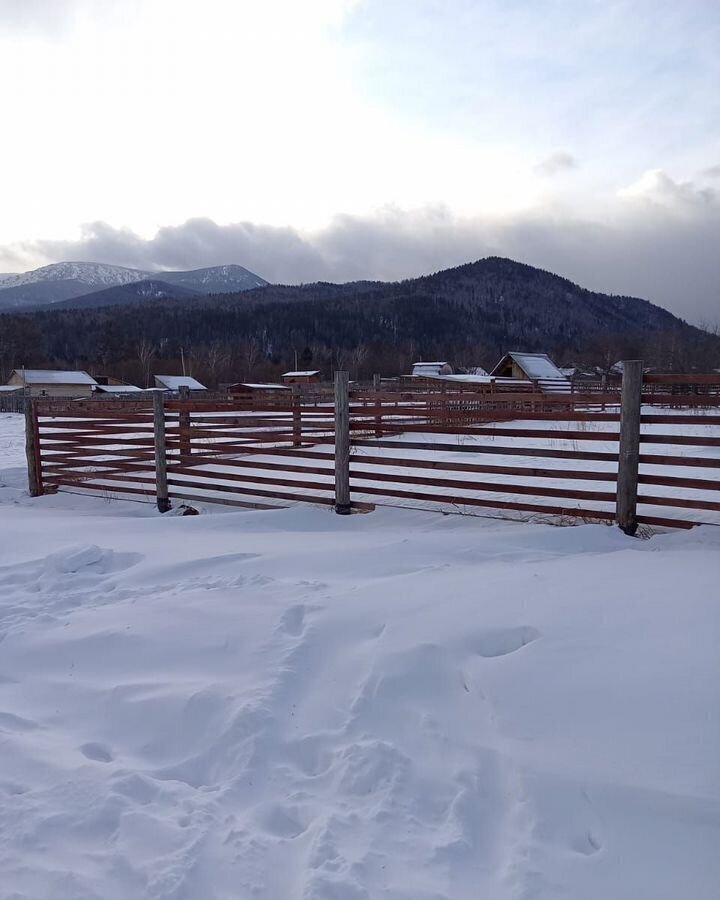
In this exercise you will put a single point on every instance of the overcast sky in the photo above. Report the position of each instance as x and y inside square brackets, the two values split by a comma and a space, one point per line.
[341, 139]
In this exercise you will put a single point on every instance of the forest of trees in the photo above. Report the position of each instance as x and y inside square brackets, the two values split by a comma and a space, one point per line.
[469, 316]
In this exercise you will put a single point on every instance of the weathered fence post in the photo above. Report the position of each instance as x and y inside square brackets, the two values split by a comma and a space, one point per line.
[342, 444]
[377, 387]
[184, 424]
[629, 450]
[32, 449]
[296, 416]
[161, 484]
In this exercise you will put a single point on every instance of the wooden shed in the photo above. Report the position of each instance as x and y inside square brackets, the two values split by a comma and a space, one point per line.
[249, 390]
[175, 382]
[311, 376]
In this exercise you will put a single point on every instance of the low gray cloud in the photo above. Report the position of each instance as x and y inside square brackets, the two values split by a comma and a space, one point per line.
[556, 164]
[712, 171]
[665, 252]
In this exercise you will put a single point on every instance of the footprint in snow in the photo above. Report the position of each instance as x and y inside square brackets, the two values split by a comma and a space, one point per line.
[96, 752]
[502, 641]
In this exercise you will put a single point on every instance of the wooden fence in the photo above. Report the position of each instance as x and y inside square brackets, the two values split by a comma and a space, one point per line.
[648, 455]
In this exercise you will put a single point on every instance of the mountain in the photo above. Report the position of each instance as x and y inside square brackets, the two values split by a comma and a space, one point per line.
[135, 292]
[215, 280]
[67, 280]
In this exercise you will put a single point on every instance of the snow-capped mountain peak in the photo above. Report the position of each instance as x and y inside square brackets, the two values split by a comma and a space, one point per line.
[92, 274]
[66, 281]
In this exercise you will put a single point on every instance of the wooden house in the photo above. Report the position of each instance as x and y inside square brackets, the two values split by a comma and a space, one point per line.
[53, 383]
[535, 367]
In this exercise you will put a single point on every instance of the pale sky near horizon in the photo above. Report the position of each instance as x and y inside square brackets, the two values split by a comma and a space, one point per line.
[340, 139]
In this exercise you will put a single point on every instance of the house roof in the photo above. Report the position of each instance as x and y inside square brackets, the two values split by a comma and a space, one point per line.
[308, 372]
[118, 389]
[54, 376]
[535, 365]
[476, 379]
[260, 386]
[175, 382]
[10, 388]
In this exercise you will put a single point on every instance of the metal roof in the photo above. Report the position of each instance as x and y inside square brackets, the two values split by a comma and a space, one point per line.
[308, 372]
[175, 382]
[54, 376]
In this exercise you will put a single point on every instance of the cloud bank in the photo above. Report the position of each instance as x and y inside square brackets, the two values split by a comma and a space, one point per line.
[660, 243]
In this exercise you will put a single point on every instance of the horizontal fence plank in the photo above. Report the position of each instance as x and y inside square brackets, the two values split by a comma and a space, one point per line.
[678, 419]
[527, 471]
[670, 378]
[125, 489]
[684, 440]
[201, 474]
[539, 452]
[699, 484]
[256, 492]
[194, 462]
[470, 431]
[482, 486]
[684, 502]
[701, 462]
[492, 504]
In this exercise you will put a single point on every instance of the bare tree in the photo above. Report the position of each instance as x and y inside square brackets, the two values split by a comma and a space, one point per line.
[146, 351]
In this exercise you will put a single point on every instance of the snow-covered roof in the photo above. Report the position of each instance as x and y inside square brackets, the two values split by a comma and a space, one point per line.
[260, 386]
[537, 365]
[54, 376]
[293, 374]
[118, 389]
[175, 382]
[430, 368]
[477, 379]
[10, 388]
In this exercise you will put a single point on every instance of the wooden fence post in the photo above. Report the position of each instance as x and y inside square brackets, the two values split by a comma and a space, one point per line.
[161, 485]
[342, 444]
[296, 416]
[32, 449]
[629, 449]
[184, 424]
[377, 387]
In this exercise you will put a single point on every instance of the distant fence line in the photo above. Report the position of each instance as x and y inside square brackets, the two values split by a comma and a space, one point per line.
[531, 452]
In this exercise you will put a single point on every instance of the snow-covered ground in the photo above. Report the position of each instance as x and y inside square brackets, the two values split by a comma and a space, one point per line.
[293, 705]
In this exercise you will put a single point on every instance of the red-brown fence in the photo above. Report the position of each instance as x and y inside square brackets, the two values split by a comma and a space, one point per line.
[526, 454]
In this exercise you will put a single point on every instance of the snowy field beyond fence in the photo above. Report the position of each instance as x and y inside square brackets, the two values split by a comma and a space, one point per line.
[294, 705]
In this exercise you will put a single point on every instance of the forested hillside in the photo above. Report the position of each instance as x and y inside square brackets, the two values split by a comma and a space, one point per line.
[469, 315]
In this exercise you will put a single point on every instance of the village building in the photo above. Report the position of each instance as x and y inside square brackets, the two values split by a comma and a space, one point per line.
[535, 367]
[53, 383]
[175, 382]
[248, 390]
[431, 369]
[118, 389]
[311, 376]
